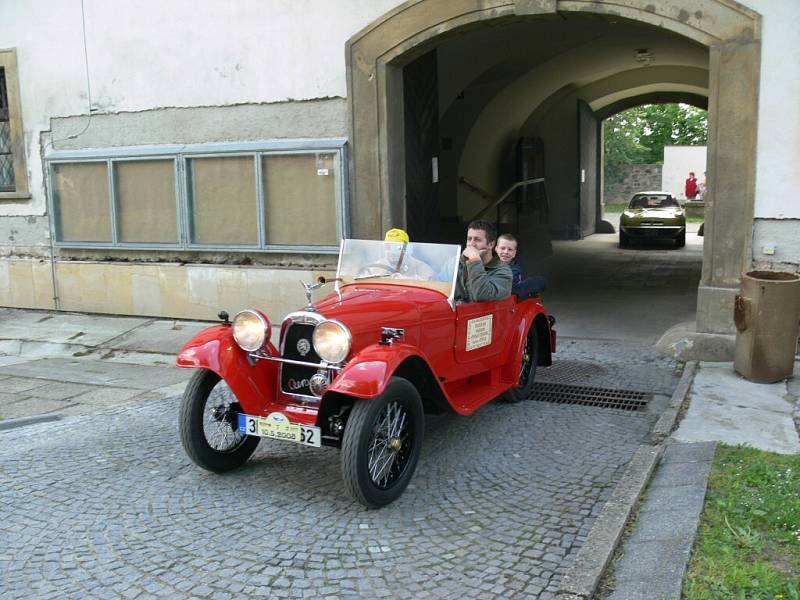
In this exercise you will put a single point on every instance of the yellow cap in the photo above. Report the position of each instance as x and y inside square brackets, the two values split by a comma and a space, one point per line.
[396, 235]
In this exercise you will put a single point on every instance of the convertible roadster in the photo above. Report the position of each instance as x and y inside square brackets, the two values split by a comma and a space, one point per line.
[359, 369]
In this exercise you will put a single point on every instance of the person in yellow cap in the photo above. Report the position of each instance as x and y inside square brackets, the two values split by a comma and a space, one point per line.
[396, 235]
[397, 261]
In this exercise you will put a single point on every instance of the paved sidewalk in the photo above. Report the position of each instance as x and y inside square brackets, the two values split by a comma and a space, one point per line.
[108, 505]
[59, 364]
[657, 553]
[722, 407]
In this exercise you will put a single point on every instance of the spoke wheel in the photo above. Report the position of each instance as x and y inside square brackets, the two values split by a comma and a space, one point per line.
[208, 424]
[382, 443]
[527, 371]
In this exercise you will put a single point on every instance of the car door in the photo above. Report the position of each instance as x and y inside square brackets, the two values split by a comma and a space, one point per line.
[482, 331]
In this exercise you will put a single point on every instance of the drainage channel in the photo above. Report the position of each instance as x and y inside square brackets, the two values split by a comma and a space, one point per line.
[562, 393]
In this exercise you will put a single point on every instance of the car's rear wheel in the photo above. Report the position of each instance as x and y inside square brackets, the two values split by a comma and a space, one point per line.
[680, 241]
[527, 371]
[382, 443]
[208, 424]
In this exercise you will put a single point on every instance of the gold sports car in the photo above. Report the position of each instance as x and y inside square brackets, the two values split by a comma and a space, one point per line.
[653, 215]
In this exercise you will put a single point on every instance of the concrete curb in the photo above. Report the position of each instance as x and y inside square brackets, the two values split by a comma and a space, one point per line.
[582, 578]
[25, 421]
[666, 423]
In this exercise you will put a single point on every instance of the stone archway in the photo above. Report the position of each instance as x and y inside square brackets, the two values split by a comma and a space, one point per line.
[375, 57]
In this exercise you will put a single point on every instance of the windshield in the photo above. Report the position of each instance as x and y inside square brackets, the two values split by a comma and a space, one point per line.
[432, 266]
[653, 201]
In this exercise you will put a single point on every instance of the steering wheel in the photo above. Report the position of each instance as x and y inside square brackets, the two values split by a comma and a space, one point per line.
[365, 270]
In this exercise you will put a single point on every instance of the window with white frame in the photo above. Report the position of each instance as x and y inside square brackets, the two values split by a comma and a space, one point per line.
[266, 196]
[13, 171]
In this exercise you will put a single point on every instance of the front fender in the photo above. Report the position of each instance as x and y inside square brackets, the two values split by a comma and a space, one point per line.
[368, 373]
[215, 349]
[527, 317]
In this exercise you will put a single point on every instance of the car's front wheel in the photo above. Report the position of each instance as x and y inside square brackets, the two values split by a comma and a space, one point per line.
[624, 240]
[527, 371]
[382, 443]
[680, 241]
[208, 424]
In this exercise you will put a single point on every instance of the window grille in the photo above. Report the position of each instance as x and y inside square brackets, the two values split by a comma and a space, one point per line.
[275, 195]
[6, 157]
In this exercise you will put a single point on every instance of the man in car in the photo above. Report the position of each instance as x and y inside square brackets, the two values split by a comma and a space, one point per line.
[482, 276]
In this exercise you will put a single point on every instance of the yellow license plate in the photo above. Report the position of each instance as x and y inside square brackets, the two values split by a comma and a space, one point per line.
[277, 427]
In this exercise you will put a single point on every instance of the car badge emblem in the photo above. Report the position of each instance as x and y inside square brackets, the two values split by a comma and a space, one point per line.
[277, 417]
[303, 347]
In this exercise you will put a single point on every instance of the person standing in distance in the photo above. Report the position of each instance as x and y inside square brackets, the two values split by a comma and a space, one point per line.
[691, 186]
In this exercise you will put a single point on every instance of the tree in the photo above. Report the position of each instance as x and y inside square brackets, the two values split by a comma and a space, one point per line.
[638, 135]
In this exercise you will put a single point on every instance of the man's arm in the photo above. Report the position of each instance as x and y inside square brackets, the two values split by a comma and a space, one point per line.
[491, 284]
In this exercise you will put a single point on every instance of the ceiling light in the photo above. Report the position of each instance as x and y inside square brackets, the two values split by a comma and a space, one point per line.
[643, 56]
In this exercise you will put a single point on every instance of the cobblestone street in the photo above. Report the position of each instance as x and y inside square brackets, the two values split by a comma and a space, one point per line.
[110, 506]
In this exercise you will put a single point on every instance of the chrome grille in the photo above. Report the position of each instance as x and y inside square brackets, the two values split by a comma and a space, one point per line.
[295, 378]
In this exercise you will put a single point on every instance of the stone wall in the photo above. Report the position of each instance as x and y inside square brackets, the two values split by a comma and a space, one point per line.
[637, 178]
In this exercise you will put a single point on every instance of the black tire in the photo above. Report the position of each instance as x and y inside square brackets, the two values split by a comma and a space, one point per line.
[208, 424]
[680, 241]
[624, 240]
[527, 372]
[367, 433]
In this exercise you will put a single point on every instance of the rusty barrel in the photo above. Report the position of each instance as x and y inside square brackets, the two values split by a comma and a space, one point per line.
[767, 314]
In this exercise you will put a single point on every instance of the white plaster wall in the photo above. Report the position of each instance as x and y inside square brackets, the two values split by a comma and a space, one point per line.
[776, 241]
[778, 162]
[678, 162]
[152, 54]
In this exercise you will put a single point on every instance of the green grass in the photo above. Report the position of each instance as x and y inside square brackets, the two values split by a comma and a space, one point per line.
[748, 544]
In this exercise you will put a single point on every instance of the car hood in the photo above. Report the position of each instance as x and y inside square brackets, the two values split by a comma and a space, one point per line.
[656, 213]
[364, 306]
[653, 216]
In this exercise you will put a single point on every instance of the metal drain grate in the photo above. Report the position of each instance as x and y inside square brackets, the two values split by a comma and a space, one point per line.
[561, 393]
[572, 371]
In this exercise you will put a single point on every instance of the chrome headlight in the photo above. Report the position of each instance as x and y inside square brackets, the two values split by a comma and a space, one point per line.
[250, 330]
[331, 341]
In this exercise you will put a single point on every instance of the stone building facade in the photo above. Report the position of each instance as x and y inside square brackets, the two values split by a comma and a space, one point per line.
[635, 178]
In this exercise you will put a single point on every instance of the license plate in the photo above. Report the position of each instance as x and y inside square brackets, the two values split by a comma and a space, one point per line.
[651, 232]
[277, 427]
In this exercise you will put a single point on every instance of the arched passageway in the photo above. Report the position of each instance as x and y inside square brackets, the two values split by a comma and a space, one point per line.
[441, 93]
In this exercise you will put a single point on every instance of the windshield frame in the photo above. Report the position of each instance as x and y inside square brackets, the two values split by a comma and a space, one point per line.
[453, 250]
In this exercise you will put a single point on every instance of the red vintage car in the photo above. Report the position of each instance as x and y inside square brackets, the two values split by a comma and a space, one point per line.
[359, 369]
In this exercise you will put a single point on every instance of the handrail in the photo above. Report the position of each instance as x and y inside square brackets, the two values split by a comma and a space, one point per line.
[477, 189]
[502, 197]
